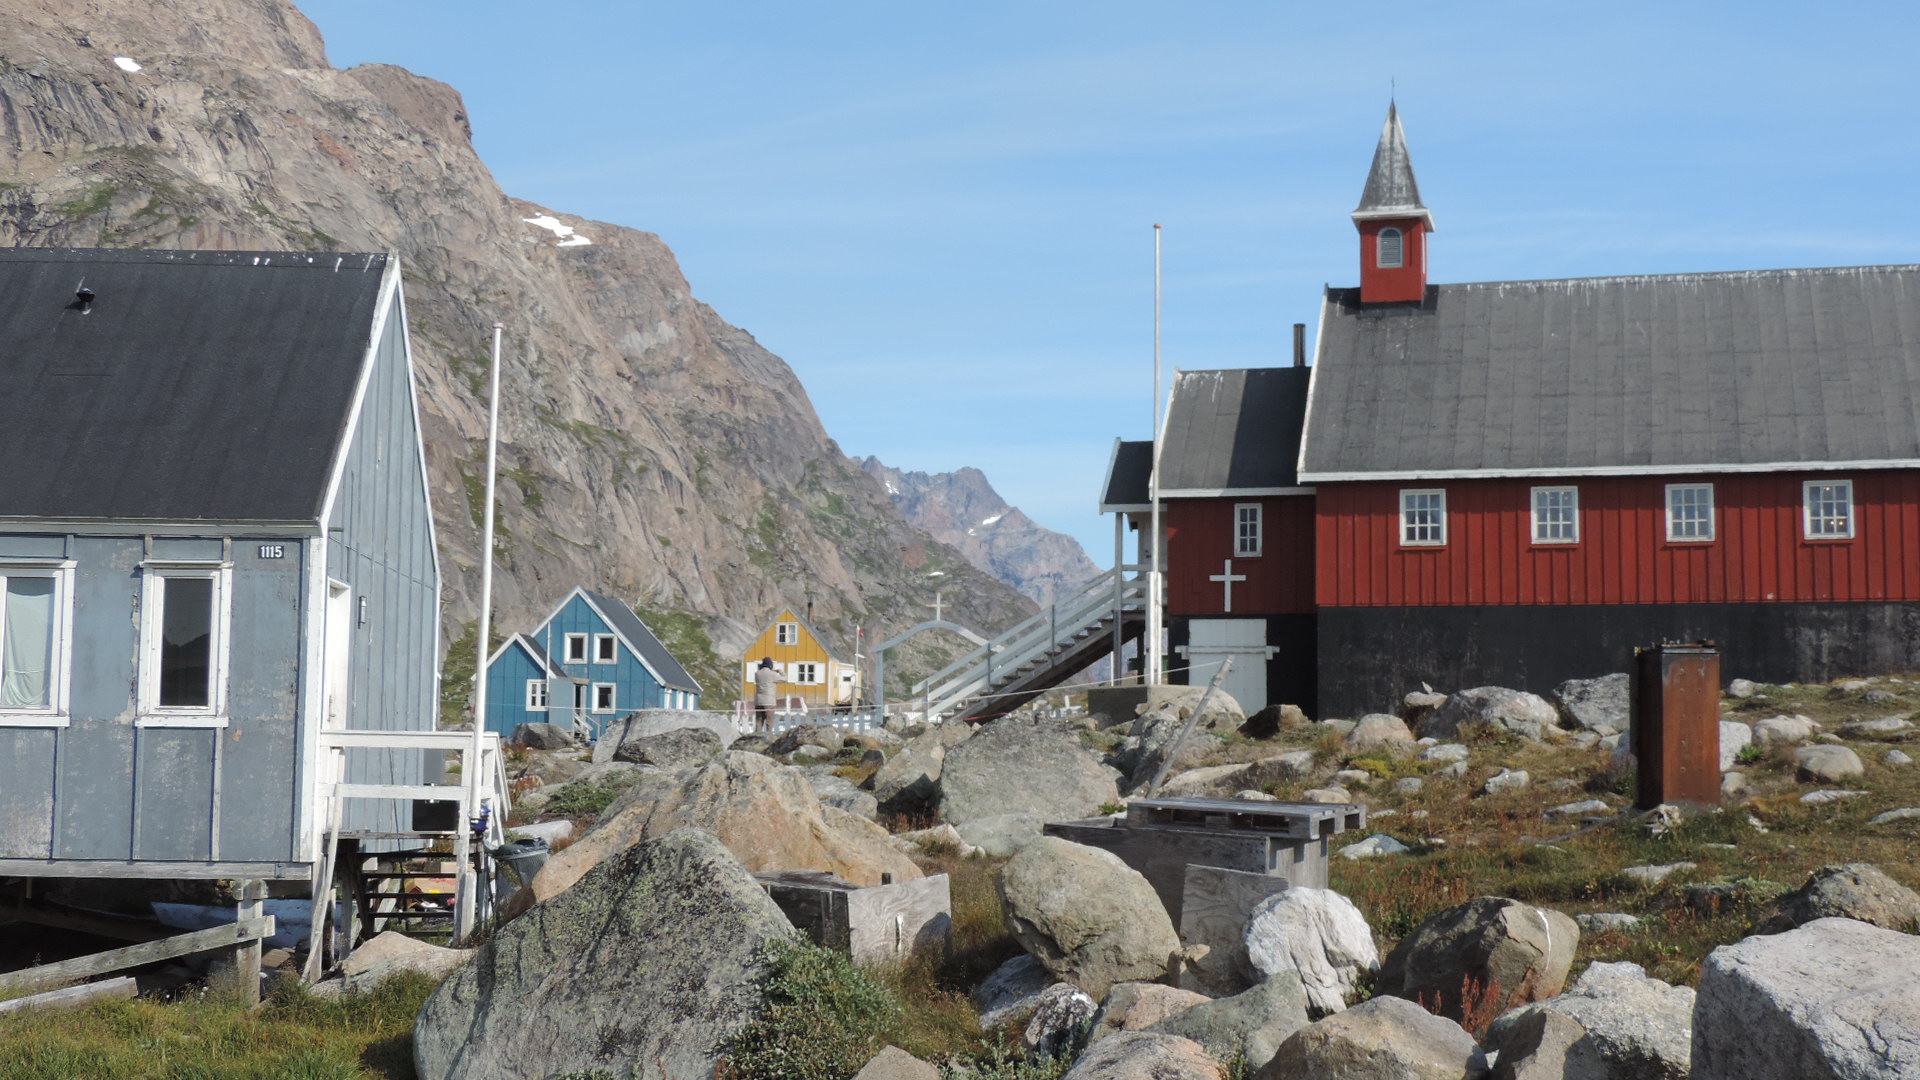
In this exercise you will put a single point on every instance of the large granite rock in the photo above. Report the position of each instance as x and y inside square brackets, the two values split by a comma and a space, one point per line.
[651, 963]
[1061, 1016]
[677, 749]
[1493, 707]
[1491, 951]
[1014, 765]
[1383, 1038]
[909, 782]
[1088, 917]
[1137, 1006]
[1140, 1055]
[1249, 1026]
[1377, 731]
[839, 792]
[390, 952]
[1011, 992]
[1827, 764]
[1835, 999]
[1629, 1027]
[542, 736]
[1784, 730]
[1316, 935]
[1598, 705]
[893, 1063]
[824, 736]
[1859, 891]
[1734, 737]
[766, 813]
[639, 725]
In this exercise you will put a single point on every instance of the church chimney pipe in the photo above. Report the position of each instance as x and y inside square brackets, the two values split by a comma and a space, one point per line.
[1299, 344]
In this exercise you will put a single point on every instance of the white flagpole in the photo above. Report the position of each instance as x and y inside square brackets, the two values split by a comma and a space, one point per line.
[1154, 661]
[470, 904]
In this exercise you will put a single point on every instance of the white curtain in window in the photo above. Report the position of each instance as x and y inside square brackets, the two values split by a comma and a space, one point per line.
[27, 653]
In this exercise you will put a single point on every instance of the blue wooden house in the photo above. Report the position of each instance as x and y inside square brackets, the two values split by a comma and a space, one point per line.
[219, 595]
[589, 661]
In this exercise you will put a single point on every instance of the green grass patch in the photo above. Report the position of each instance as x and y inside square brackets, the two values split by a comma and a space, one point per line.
[295, 1036]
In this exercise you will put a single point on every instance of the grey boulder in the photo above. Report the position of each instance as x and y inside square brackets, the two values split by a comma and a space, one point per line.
[676, 749]
[1826, 763]
[910, 778]
[893, 1063]
[1383, 1038]
[541, 736]
[1597, 705]
[1014, 765]
[1630, 1027]
[1859, 891]
[647, 722]
[1249, 1026]
[1495, 708]
[1377, 731]
[1140, 1055]
[1491, 949]
[1835, 999]
[1012, 991]
[1088, 917]
[653, 961]
[1316, 935]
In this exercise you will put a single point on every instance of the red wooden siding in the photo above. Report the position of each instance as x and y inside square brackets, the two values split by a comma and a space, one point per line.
[1623, 555]
[1408, 281]
[1200, 538]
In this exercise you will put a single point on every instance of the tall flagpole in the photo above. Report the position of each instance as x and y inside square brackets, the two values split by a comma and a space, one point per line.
[470, 904]
[1154, 661]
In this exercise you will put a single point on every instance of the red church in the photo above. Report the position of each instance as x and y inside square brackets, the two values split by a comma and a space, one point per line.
[1517, 482]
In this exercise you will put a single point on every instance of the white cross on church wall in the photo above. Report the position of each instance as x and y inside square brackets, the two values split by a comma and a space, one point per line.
[1226, 577]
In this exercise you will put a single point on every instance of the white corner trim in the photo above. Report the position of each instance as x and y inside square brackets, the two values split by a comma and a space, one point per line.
[368, 360]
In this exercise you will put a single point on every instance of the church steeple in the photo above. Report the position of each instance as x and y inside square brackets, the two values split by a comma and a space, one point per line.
[1393, 222]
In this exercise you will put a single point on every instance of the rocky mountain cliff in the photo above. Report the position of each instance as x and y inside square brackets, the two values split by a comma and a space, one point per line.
[648, 446]
[962, 509]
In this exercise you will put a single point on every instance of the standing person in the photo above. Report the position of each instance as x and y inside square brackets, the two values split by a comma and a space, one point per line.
[766, 682]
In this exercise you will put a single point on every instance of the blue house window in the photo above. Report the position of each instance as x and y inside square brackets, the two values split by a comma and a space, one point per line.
[603, 697]
[536, 695]
[576, 649]
[605, 651]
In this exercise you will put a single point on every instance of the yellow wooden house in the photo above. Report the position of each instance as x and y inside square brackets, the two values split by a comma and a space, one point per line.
[808, 671]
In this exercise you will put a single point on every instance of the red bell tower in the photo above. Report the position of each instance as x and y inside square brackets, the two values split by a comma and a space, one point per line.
[1393, 223]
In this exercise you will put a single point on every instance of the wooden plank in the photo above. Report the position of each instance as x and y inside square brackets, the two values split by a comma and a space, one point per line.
[150, 952]
[72, 996]
[1214, 908]
[1162, 855]
[888, 922]
[123, 868]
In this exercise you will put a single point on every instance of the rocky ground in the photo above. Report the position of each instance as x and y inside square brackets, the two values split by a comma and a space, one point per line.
[1505, 913]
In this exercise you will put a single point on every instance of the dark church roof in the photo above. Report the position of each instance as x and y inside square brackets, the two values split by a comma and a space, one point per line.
[1128, 476]
[1662, 374]
[1391, 190]
[1233, 431]
[194, 385]
[621, 617]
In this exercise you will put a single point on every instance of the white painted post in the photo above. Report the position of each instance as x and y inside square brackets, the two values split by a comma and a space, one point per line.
[1150, 673]
[466, 885]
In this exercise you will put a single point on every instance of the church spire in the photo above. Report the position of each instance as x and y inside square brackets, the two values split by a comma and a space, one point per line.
[1393, 222]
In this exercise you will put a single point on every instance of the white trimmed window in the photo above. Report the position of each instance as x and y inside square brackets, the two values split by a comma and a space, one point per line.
[536, 695]
[786, 633]
[1389, 249]
[605, 651]
[1246, 530]
[1556, 515]
[604, 697]
[36, 630]
[576, 649]
[185, 622]
[1829, 509]
[1689, 512]
[806, 673]
[1423, 517]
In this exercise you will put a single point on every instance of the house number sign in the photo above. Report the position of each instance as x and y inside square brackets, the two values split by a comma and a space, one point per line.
[273, 551]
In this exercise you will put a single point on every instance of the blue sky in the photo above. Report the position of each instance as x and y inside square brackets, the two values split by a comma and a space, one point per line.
[941, 214]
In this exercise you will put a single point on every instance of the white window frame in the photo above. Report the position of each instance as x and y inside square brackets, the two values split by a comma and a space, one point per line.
[1245, 514]
[786, 633]
[1809, 496]
[1674, 521]
[613, 697]
[1399, 249]
[537, 695]
[806, 673]
[1407, 524]
[611, 650]
[1543, 525]
[150, 713]
[58, 712]
[568, 653]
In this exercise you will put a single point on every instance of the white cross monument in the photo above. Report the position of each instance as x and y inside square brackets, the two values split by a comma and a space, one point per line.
[1226, 577]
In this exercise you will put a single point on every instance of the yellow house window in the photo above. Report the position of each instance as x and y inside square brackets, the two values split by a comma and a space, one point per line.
[786, 633]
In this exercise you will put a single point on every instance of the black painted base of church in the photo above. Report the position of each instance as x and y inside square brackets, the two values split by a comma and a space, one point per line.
[1369, 658]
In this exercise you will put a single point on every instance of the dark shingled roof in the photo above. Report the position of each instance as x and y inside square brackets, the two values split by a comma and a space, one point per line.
[1676, 373]
[622, 618]
[1391, 190]
[1234, 430]
[198, 386]
[1128, 475]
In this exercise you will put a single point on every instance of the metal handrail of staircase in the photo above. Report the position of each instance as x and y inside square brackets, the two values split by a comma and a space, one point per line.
[1110, 595]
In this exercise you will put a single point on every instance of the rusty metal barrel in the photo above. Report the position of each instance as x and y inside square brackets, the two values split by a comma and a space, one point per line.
[1676, 724]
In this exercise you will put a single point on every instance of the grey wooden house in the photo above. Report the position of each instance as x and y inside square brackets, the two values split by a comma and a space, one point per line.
[219, 594]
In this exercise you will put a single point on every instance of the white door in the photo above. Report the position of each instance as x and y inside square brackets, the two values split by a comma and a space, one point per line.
[339, 650]
[1209, 641]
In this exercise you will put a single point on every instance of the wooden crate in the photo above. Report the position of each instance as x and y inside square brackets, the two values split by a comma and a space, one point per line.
[1161, 837]
[873, 925]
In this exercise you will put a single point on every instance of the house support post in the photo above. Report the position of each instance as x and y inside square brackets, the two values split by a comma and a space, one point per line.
[237, 970]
